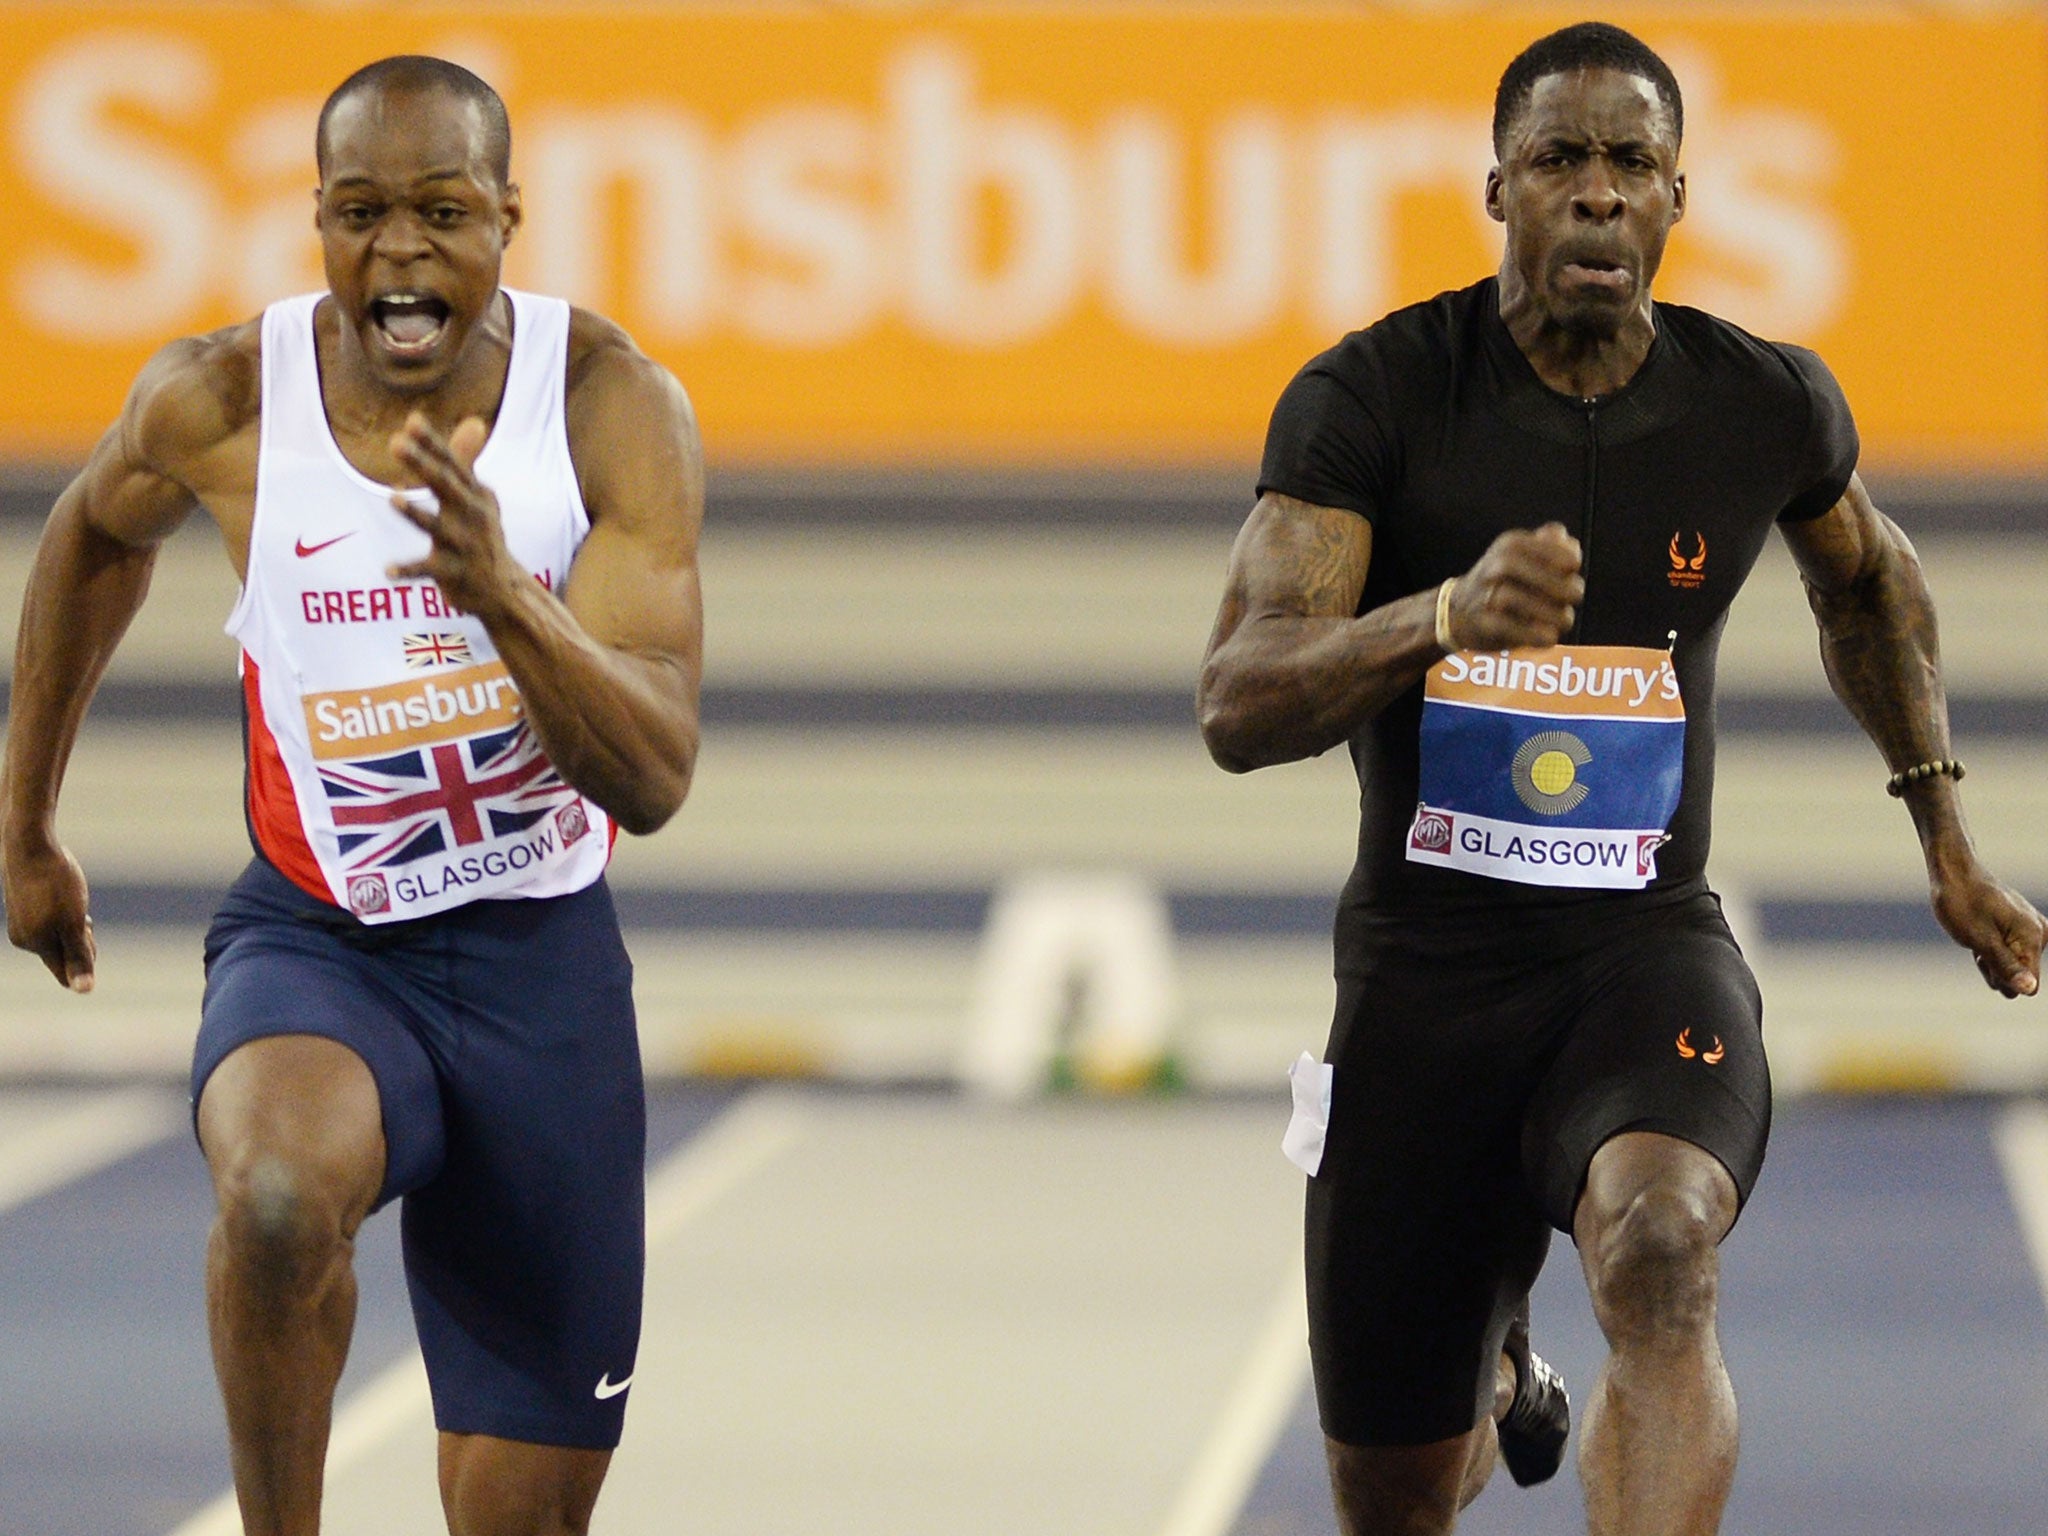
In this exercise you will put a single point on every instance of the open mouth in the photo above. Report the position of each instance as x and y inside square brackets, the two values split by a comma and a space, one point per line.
[410, 323]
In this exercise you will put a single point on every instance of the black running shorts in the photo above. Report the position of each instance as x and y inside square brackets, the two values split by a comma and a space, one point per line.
[1477, 1067]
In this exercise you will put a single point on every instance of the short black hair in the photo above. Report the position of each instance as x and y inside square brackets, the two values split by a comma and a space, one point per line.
[1586, 45]
[417, 72]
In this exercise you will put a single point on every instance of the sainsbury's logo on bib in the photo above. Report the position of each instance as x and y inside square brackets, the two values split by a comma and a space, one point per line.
[1555, 767]
[360, 722]
[1603, 680]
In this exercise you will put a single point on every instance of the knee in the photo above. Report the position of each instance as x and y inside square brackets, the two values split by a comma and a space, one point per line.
[1653, 1263]
[467, 1520]
[279, 1219]
[1401, 1490]
[494, 1487]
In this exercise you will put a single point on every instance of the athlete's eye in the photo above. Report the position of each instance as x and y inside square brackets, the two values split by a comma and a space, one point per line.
[447, 213]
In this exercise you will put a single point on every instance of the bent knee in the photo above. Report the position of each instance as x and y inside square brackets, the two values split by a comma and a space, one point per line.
[1653, 1261]
[284, 1217]
[1410, 1490]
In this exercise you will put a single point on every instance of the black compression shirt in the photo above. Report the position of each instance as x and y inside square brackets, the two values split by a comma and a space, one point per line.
[1434, 427]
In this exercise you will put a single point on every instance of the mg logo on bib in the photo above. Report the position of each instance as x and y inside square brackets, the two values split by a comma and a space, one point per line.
[368, 895]
[1431, 832]
[1550, 767]
[572, 822]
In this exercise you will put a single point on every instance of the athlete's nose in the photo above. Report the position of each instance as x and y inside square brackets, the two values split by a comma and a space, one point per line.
[1596, 198]
[400, 236]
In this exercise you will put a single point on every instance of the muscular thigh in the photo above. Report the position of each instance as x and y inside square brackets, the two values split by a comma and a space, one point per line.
[308, 1042]
[1668, 1037]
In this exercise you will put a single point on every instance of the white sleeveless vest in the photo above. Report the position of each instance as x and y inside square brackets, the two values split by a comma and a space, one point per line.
[391, 769]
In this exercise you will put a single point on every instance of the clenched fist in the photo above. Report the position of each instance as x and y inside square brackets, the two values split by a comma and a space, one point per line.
[1525, 590]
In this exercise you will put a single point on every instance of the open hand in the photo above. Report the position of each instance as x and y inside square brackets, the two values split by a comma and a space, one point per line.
[1998, 926]
[46, 913]
[469, 561]
[1525, 590]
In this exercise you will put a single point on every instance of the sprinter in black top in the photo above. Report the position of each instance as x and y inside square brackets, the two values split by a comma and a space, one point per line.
[1434, 428]
[1496, 540]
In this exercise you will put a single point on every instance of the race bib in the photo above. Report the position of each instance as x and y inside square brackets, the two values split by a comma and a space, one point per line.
[1550, 767]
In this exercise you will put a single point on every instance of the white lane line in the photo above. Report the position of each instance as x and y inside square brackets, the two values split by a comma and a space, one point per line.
[49, 1150]
[1252, 1419]
[374, 1411]
[709, 1165]
[743, 1141]
[2021, 1135]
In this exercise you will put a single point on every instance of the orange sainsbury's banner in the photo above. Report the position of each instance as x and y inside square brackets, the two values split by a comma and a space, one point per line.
[1035, 233]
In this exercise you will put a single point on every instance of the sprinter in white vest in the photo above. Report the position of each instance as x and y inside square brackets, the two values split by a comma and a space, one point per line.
[466, 524]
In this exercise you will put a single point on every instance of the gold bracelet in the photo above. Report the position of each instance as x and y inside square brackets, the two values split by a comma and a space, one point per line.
[1444, 638]
[1895, 786]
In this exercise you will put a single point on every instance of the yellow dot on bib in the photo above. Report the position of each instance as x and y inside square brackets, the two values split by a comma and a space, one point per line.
[1552, 773]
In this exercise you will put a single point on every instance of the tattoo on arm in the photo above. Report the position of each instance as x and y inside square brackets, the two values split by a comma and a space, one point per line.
[1877, 629]
[1880, 645]
[1292, 669]
[1328, 569]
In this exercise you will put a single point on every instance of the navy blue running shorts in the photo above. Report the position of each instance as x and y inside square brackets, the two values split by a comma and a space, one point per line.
[1477, 1067]
[502, 1039]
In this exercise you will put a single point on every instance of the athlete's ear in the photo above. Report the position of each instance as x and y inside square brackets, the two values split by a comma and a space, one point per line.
[511, 213]
[317, 205]
[1494, 210]
[1678, 197]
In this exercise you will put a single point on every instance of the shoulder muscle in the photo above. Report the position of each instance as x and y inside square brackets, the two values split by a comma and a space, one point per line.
[632, 431]
[193, 396]
[191, 401]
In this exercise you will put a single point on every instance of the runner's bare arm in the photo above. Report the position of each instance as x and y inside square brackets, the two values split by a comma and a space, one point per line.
[89, 578]
[609, 675]
[1293, 668]
[1879, 644]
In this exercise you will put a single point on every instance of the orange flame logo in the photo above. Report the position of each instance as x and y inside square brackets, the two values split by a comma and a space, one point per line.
[1688, 1050]
[1688, 572]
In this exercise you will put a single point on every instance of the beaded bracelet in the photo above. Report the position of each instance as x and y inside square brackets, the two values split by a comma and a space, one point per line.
[1444, 638]
[1895, 786]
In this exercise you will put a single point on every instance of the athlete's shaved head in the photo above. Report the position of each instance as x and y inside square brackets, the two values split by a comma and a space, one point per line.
[1587, 45]
[419, 72]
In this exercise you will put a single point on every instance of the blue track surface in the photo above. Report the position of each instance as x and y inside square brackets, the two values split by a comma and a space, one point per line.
[110, 1424]
[1884, 1329]
[1886, 1333]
